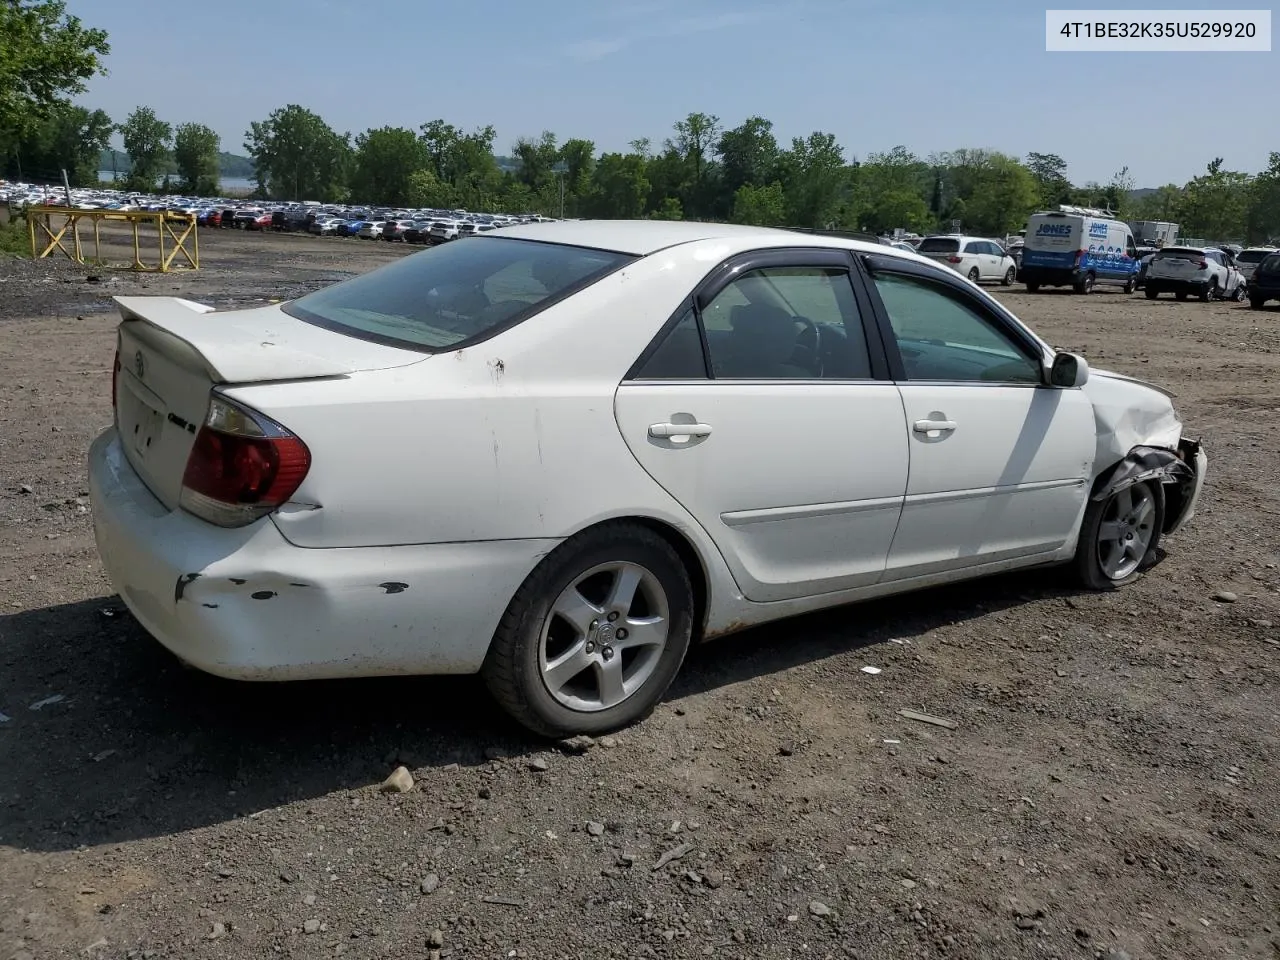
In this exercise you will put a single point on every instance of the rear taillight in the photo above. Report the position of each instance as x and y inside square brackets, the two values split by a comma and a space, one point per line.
[953, 259]
[1202, 264]
[242, 466]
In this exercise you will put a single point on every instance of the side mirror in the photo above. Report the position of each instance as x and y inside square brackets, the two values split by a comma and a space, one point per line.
[1068, 371]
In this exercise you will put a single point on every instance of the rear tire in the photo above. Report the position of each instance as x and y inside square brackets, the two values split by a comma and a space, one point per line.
[563, 616]
[1257, 303]
[1119, 536]
[1033, 288]
[974, 275]
[1180, 296]
[1085, 285]
[1151, 294]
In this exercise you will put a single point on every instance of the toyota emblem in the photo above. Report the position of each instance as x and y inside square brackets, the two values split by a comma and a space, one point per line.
[139, 365]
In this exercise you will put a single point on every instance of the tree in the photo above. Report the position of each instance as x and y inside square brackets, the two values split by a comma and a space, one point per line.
[195, 152]
[427, 190]
[619, 187]
[748, 155]
[45, 56]
[537, 159]
[439, 139]
[760, 206]
[385, 161]
[297, 156]
[1050, 173]
[1262, 222]
[1214, 204]
[815, 179]
[891, 189]
[146, 140]
[69, 138]
[991, 193]
[695, 139]
[578, 157]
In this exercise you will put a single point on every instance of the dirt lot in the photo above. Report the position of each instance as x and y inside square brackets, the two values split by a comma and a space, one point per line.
[1111, 789]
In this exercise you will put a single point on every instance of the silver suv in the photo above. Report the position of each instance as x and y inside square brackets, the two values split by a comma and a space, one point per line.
[1205, 272]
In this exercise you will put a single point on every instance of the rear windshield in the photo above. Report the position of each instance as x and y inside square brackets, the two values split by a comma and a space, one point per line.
[1180, 253]
[939, 245]
[1252, 256]
[455, 293]
[1271, 264]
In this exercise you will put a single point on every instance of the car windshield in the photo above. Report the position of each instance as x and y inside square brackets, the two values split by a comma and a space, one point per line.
[455, 293]
[939, 245]
[1252, 256]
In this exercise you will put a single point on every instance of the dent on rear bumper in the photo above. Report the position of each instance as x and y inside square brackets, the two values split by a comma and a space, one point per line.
[244, 603]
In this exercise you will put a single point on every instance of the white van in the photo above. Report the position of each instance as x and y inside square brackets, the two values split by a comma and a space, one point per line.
[1078, 250]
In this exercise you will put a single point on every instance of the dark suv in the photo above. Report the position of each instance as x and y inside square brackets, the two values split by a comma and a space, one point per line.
[1264, 285]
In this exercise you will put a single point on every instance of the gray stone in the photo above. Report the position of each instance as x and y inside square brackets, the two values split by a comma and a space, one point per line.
[430, 883]
[435, 939]
[595, 828]
[540, 765]
[819, 909]
[400, 781]
[1225, 596]
[311, 926]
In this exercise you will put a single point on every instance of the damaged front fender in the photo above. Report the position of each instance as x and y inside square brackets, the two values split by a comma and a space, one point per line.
[1181, 471]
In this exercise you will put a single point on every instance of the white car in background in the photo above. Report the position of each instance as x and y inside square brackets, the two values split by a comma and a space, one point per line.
[974, 257]
[1204, 272]
[371, 230]
[556, 454]
[443, 230]
[1247, 260]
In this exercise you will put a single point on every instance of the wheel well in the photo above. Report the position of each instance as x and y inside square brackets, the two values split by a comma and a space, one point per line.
[688, 556]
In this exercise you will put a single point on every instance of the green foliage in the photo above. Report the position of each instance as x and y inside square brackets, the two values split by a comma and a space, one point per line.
[620, 188]
[14, 238]
[45, 56]
[385, 162]
[68, 138]
[297, 156]
[760, 206]
[816, 180]
[195, 153]
[1262, 223]
[990, 193]
[147, 140]
[891, 189]
[1050, 173]
[1214, 205]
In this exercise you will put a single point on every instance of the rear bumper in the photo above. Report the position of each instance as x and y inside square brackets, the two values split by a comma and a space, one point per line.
[1176, 285]
[1048, 276]
[246, 604]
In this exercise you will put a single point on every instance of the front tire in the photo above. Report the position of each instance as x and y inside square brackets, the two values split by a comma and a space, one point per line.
[1085, 285]
[1210, 292]
[1151, 292]
[1033, 288]
[1119, 536]
[595, 635]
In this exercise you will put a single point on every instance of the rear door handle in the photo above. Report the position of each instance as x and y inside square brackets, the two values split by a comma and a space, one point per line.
[934, 426]
[668, 430]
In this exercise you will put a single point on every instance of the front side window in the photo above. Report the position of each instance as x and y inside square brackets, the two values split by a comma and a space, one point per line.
[787, 323]
[455, 293]
[942, 336]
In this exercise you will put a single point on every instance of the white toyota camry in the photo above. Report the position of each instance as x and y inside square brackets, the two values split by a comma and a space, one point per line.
[557, 454]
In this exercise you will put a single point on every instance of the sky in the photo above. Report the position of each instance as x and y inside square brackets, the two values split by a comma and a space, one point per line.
[931, 75]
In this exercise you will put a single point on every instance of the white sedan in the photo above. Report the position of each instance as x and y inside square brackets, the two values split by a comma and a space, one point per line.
[558, 453]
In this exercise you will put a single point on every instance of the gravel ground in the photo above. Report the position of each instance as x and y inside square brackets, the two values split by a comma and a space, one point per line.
[1110, 788]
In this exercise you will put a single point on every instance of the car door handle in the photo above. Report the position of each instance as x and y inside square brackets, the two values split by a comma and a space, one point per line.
[668, 430]
[933, 426]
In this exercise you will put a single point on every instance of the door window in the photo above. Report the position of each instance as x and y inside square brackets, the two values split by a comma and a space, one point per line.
[790, 323]
[942, 335]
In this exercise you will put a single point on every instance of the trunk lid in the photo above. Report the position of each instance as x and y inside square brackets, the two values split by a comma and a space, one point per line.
[173, 352]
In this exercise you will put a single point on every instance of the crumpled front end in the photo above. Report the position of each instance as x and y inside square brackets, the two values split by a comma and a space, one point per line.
[1140, 438]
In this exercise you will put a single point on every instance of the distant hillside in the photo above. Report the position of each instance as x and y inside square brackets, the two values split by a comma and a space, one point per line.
[229, 164]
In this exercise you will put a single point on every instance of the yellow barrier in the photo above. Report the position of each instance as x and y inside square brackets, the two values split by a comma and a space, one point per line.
[41, 217]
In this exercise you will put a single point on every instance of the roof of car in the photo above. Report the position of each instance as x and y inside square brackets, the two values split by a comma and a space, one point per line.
[643, 237]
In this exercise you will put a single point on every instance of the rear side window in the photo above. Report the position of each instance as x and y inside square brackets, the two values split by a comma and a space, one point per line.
[455, 293]
[939, 245]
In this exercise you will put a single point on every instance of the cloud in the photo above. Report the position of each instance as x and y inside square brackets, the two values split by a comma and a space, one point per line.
[588, 50]
[601, 47]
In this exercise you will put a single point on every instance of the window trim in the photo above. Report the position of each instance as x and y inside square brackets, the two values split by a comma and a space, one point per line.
[730, 269]
[1001, 319]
